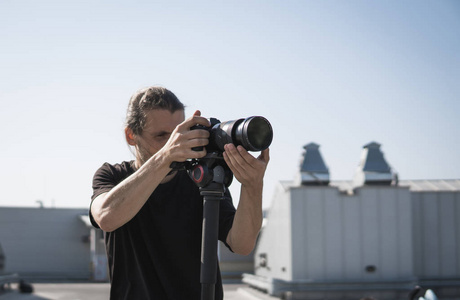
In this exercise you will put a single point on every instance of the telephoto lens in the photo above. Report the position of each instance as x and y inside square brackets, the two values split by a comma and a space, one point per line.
[253, 133]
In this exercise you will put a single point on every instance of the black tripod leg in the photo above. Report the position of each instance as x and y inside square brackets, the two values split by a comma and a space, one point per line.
[209, 247]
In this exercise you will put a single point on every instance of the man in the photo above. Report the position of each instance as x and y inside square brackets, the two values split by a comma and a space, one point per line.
[152, 215]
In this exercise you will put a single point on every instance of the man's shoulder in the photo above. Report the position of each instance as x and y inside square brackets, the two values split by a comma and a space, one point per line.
[109, 175]
[114, 172]
[123, 167]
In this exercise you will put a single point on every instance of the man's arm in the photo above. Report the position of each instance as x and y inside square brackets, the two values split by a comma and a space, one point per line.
[249, 171]
[115, 208]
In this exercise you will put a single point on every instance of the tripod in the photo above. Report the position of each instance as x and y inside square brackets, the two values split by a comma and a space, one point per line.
[212, 176]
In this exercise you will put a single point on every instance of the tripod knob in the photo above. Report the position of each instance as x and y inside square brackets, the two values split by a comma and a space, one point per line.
[201, 175]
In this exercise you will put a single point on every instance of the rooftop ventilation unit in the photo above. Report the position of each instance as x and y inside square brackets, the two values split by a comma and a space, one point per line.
[313, 170]
[373, 168]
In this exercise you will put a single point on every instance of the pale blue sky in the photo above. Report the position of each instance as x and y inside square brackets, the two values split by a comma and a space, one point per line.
[338, 73]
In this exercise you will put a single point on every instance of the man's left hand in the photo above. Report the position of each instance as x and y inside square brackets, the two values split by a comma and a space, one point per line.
[247, 169]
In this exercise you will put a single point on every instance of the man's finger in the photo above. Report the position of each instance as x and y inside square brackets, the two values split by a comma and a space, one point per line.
[265, 155]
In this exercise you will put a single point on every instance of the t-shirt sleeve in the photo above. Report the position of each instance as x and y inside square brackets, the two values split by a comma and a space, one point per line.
[103, 181]
[226, 215]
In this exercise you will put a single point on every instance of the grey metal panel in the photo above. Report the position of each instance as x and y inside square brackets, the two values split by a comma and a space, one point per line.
[448, 250]
[389, 231]
[416, 199]
[405, 250]
[370, 232]
[436, 242]
[352, 227]
[336, 236]
[45, 242]
[430, 237]
[457, 226]
[308, 239]
[318, 231]
[333, 234]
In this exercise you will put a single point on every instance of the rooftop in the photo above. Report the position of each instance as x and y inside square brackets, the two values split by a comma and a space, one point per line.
[419, 185]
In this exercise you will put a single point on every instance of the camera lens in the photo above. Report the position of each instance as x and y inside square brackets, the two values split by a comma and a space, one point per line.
[254, 133]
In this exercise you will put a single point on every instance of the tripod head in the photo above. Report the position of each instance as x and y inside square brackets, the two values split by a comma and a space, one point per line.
[210, 169]
[207, 170]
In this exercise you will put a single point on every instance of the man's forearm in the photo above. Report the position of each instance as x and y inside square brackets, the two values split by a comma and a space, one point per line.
[247, 222]
[115, 208]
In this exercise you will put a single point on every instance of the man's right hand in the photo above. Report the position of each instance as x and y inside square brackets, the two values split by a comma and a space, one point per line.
[179, 146]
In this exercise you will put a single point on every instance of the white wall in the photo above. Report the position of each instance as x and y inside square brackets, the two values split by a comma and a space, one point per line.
[275, 240]
[335, 236]
[45, 243]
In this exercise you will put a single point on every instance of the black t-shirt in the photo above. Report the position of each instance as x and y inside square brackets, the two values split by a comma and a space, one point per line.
[156, 255]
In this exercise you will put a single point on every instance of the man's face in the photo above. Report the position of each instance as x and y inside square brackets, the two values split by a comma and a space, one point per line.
[160, 123]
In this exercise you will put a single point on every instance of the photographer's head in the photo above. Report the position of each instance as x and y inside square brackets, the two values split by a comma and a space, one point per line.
[147, 99]
[153, 113]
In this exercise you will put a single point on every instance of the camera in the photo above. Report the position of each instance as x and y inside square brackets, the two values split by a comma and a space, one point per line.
[253, 133]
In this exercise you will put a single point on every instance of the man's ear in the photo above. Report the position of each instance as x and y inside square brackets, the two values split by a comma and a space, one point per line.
[129, 135]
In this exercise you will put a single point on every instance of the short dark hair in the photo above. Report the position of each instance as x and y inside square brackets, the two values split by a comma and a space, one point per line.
[146, 99]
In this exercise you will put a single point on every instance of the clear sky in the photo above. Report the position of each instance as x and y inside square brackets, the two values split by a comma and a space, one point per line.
[337, 73]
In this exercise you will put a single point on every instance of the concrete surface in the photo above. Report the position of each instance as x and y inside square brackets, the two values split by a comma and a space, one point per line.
[100, 291]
